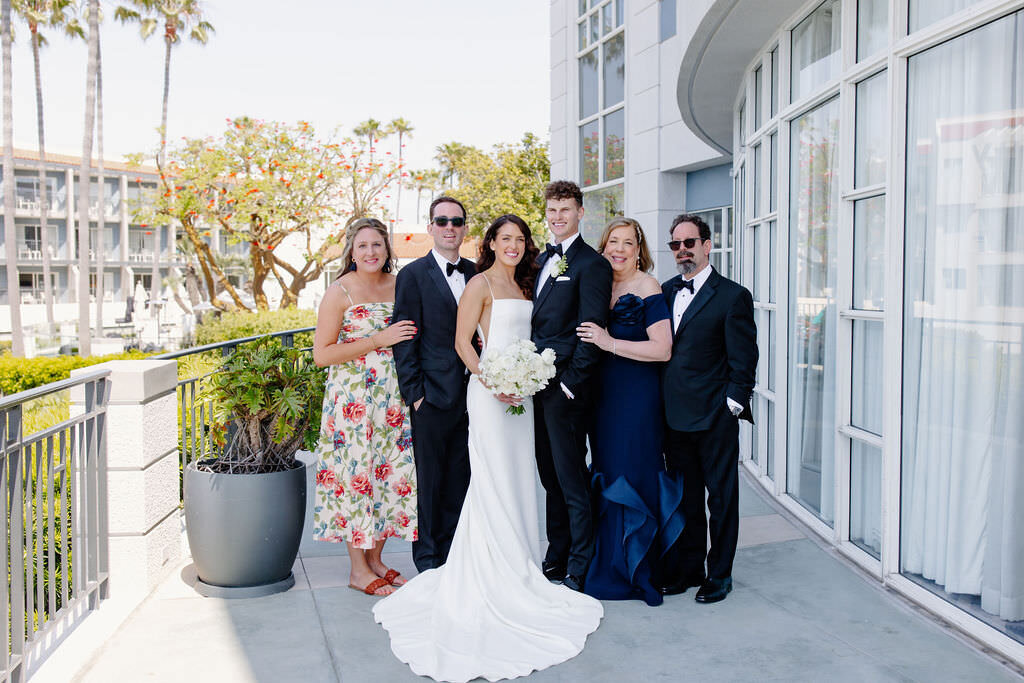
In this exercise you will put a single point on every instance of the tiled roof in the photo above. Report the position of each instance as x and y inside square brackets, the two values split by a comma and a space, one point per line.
[33, 155]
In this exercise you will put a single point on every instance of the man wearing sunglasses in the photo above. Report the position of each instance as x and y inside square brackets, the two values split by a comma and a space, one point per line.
[707, 386]
[432, 380]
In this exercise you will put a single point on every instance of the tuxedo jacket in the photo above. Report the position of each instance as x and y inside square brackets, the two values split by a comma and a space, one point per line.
[714, 354]
[427, 364]
[580, 294]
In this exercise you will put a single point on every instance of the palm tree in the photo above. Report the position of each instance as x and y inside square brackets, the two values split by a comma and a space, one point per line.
[371, 129]
[10, 232]
[402, 127]
[179, 17]
[84, 179]
[426, 179]
[51, 14]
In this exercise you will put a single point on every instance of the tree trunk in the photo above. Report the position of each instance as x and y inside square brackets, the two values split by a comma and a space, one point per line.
[101, 214]
[157, 285]
[44, 189]
[10, 231]
[84, 181]
[398, 194]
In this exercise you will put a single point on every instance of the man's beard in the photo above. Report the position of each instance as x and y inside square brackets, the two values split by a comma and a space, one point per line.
[685, 267]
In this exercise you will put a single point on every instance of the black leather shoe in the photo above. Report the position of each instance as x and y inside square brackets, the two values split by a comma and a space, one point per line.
[714, 590]
[573, 582]
[552, 571]
[682, 585]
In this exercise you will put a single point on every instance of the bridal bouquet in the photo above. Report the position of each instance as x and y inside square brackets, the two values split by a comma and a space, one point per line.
[518, 370]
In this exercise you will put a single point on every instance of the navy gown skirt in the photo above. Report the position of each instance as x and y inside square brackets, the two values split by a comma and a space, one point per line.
[637, 504]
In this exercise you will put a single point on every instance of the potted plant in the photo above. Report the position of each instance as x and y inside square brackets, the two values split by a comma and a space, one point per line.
[244, 510]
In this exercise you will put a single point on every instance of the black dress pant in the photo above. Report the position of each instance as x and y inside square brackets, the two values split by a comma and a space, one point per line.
[441, 447]
[707, 459]
[561, 450]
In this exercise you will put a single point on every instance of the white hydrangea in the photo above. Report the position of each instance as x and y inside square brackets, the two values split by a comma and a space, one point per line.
[518, 369]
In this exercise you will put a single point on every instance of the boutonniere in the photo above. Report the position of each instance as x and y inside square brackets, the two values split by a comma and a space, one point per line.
[561, 265]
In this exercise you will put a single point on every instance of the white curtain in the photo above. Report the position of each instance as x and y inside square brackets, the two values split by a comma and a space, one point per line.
[963, 429]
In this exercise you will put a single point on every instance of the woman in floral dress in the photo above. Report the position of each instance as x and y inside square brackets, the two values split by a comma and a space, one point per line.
[366, 476]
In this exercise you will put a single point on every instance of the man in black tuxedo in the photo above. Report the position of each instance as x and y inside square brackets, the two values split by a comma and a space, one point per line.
[574, 285]
[707, 387]
[432, 380]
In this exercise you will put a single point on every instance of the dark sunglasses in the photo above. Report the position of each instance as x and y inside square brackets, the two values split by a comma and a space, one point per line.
[689, 243]
[441, 221]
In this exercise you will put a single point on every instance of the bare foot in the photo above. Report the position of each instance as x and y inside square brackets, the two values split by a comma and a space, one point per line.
[361, 581]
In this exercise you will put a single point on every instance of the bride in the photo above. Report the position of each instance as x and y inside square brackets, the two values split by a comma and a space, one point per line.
[489, 612]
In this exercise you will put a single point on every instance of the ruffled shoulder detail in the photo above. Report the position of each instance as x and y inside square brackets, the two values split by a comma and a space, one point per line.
[628, 310]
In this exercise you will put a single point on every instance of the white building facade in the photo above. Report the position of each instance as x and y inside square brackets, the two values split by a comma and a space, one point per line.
[861, 163]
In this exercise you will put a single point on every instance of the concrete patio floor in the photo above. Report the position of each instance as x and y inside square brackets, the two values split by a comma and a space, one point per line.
[797, 612]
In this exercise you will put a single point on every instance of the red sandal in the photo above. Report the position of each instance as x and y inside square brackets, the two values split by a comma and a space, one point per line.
[372, 587]
[392, 575]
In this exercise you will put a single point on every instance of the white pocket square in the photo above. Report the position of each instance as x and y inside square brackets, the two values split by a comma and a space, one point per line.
[562, 278]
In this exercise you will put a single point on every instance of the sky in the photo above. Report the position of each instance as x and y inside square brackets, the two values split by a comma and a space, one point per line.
[475, 71]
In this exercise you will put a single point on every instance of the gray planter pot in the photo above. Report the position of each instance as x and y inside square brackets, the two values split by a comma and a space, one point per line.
[244, 529]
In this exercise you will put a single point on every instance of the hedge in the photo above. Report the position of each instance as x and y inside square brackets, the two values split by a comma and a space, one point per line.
[19, 374]
[245, 324]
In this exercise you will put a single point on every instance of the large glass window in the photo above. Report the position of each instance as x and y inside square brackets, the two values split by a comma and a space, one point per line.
[815, 58]
[813, 210]
[602, 115]
[872, 27]
[962, 523]
[926, 12]
[872, 143]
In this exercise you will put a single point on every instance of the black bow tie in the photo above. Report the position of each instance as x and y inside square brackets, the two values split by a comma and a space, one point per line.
[684, 284]
[553, 249]
[452, 267]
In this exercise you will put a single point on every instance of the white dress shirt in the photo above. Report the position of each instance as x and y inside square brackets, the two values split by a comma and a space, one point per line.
[456, 281]
[683, 296]
[549, 265]
[679, 306]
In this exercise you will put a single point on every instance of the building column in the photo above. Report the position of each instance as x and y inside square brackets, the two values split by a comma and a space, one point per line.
[142, 472]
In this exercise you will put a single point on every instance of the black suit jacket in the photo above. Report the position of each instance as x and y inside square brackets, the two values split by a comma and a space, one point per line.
[427, 364]
[714, 354]
[580, 294]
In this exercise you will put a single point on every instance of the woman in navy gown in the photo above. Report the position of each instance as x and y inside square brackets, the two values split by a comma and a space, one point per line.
[637, 504]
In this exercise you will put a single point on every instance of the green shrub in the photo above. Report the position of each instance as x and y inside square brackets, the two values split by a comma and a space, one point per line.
[19, 374]
[245, 324]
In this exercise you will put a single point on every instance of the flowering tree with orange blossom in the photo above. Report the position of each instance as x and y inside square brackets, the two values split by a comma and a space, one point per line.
[265, 183]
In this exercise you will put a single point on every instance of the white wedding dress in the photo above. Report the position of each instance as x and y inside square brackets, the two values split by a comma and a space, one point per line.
[489, 612]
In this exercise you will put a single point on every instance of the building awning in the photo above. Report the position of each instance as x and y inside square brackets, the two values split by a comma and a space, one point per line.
[726, 41]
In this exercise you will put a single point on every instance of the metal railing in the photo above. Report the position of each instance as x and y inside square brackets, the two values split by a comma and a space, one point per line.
[55, 524]
[195, 414]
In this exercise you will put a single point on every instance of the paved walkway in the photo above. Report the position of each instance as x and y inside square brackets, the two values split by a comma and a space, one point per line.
[796, 613]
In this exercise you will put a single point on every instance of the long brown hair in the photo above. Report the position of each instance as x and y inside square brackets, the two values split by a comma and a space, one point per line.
[645, 260]
[352, 230]
[526, 269]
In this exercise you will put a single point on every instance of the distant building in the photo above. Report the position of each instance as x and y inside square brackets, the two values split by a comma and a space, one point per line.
[861, 163]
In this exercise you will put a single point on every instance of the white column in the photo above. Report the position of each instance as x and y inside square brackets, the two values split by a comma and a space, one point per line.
[142, 472]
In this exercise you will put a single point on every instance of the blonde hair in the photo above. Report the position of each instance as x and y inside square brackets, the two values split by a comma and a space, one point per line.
[645, 261]
[352, 230]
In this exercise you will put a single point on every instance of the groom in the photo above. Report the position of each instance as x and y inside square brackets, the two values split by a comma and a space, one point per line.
[573, 286]
[432, 380]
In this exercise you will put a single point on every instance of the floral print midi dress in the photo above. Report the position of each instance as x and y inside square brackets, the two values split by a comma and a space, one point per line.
[366, 476]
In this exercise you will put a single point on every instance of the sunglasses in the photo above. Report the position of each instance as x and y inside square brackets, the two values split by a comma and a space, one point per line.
[457, 221]
[689, 243]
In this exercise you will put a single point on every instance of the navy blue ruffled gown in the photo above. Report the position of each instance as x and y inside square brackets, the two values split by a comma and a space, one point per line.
[637, 504]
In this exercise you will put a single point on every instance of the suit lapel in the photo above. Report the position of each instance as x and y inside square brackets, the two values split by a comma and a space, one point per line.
[434, 271]
[699, 301]
[539, 298]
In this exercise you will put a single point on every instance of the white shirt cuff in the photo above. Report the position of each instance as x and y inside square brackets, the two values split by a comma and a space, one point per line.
[734, 407]
[568, 393]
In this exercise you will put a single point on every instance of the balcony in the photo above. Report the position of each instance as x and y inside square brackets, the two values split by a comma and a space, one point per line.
[141, 257]
[798, 612]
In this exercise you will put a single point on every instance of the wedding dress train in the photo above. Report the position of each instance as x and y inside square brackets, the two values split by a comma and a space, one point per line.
[489, 612]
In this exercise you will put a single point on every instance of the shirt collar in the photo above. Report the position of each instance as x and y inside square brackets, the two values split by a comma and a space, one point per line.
[567, 242]
[442, 262]
[700, 278]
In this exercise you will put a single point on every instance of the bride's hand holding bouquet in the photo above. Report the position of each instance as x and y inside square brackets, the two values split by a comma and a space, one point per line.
[517, 371]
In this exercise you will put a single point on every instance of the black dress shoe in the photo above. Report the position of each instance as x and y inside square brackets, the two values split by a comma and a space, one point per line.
[681, 585]
[573, 582]
[552, 571]
[714, 590]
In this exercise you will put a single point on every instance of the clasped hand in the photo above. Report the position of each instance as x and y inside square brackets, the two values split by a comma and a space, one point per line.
[595, 334]
[397, 332]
